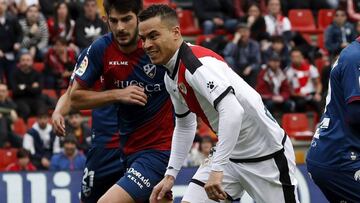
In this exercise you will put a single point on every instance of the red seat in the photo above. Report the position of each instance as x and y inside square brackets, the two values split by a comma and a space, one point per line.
[148, 3]
[325, 18]
[321, 41]
[297, 126]
[31, 121]
[188, 25]
[302, 20]
[20, 127]
[50, 93]
[90, 121]
[86, 112]
[7, 156]
[201, 38]
[39, 66]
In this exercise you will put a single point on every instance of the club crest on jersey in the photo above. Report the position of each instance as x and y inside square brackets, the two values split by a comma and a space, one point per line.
[82, 68]
[150, 70]
[182, 88]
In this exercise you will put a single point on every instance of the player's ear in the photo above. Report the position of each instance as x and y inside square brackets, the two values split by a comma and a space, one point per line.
[176, 32]
[104, 18]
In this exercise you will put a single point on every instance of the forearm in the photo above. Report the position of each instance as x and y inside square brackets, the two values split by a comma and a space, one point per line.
[89, 99]
[183, 137]
[63, 105]
[230, 120]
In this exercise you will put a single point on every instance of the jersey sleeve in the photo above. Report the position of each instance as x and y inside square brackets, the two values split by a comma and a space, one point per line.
[314, 73]
[210, 80]
[78, 62]
[350, 80]
[91, 66]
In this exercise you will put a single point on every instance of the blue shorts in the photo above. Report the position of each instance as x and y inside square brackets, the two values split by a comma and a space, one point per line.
[143, 171]
[337, 185]
[103, 167]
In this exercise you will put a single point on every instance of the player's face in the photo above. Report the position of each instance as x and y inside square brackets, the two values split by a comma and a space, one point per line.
[123, 26]
[159, 39]
[296, 58]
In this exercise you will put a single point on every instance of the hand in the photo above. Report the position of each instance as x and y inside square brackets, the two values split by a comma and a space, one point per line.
[344, 44]
[162, 188]
[247, 71]
[250, 20]
[317, 97]
[213, 186]
[34, 28]
[218, 21]
[45, 162]
[132, 95]
[278, 99]
[35, 85]
[32, 51]
[17, 46]
[237, 37]
[58, 123]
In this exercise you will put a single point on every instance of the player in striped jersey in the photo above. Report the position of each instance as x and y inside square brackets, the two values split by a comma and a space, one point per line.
[253, 153]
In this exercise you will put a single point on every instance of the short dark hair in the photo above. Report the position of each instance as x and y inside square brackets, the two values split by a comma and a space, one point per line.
[42, 112]
[70, 139]
[277, 39]
[74, 112]
[22, 153]
[123, 6]
[161, 10]
[296, 50]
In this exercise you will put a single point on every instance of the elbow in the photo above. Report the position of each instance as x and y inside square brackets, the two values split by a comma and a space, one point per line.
[75, 100]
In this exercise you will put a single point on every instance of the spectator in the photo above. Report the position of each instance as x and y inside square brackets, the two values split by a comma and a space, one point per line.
[61, 25]
[27, 86]
[276, 23]
[278, 47]
[199, 155]
[36, 34]
[89, 26]
[11, 36]
[23, 162]
[340, 33]
[41, 141]
[7, 116]
[47, 7]
[243, 54]
[214, 14]
[78, 128]
[70, 159]
[59, 63]
[19, 7]
[76, 8]
[305, 85]
[256, 22]
[273, 86]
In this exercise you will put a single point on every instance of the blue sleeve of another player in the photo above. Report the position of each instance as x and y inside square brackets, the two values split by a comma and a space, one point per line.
[78, 62]
[91, 67]
[350, 79]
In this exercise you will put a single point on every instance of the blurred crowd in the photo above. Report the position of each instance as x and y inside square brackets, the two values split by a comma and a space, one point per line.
[41, 39]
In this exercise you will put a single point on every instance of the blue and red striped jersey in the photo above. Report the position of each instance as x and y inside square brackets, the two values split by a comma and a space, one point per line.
[148, 127]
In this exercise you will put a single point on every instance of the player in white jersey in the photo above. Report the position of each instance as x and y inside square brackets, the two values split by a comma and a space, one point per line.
[253, 153]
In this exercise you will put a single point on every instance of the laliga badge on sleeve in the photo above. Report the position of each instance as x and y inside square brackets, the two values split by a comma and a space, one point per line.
[82, 68]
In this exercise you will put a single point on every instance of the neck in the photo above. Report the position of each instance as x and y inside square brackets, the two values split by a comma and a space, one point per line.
[170, 64]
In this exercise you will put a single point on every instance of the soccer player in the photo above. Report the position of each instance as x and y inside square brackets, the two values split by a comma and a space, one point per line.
[136, 86]
[253, 153]
[333, 159]
[103, 165]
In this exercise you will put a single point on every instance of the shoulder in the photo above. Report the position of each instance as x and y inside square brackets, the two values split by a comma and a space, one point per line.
[101, 43]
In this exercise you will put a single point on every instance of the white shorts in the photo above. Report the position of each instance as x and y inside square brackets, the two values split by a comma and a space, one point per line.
[269, 181]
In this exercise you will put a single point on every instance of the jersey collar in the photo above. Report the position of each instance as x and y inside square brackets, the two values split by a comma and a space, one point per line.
[173, 64]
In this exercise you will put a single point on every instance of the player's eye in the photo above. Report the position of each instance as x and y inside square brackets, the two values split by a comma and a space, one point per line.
[113, 20]
[126, 19]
